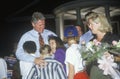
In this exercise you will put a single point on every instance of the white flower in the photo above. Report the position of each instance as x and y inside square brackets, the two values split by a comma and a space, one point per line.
[89, 46]
[107, 64]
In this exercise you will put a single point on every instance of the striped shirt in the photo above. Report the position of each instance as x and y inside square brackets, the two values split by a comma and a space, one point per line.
[53, 70]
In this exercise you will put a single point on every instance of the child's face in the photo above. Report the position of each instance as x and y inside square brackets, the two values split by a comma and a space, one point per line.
[71, 40]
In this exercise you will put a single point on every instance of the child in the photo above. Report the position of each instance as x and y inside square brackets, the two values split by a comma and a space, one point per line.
[74, 62]
[52, 70]
[58, 49]
[30, 48]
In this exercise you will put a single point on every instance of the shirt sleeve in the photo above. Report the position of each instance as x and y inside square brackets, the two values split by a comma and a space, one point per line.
[3, 68]
[60, 72]
[70, 56]
[20, 54]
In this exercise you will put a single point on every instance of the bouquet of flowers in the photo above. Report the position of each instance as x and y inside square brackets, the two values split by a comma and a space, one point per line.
[103, 53]
[93, 50]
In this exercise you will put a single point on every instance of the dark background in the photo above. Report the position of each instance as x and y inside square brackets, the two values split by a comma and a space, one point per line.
[10, 32]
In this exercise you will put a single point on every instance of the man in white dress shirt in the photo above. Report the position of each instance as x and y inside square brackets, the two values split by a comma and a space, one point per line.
[38, 23]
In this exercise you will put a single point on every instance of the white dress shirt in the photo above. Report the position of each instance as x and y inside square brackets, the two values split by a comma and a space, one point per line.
[32, 35]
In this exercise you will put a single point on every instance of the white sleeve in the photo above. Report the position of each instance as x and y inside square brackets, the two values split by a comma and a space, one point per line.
[3, 68]
[70, 56]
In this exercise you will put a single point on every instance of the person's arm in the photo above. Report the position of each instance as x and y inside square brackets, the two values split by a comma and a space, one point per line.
[71, 71]
[40, 61]
[70, 62]
[20, 54]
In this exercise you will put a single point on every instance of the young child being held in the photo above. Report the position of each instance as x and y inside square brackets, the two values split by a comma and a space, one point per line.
[25, 67]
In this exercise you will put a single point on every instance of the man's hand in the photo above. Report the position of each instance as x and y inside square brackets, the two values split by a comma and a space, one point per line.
[40, 61]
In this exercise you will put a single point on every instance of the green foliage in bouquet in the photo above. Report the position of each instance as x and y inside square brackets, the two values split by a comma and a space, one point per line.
[115, 48]
[95, 50]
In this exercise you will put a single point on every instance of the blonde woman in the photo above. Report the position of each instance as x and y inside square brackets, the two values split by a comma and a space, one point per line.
[102, 30]
[100, 26]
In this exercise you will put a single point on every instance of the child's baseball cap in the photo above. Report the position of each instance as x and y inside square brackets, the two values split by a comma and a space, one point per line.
[70, 31]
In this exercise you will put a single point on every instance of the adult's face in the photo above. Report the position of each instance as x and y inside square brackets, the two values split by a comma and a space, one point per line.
[39, 25]
[94, 26]
[79, 30]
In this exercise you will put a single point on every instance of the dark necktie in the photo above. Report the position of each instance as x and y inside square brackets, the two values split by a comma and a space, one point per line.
[41, 41]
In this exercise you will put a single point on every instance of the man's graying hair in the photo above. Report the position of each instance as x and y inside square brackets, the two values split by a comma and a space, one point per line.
[37, 16]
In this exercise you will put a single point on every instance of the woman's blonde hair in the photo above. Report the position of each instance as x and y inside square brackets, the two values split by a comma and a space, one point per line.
[100, 18]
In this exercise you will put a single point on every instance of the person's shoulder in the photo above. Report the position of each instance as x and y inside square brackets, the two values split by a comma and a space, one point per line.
[112, 36]
[47, 30]
[52, 60]
[74, 45]
[115, 37]
[61, 49]
[70, 47]
[2, 60]
[31, 32]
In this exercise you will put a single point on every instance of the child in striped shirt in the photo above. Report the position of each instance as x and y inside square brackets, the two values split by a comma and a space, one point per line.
[52, 70]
